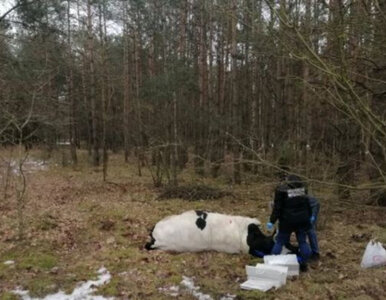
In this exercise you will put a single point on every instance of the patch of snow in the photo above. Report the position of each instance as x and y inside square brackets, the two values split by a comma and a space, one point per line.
[29, 166]
[171, 291]
[228, 297]
[188, 283]
[82, 292]
[8, 262]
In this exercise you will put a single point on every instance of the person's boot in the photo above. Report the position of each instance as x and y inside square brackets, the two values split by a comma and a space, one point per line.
[303, 267]
[315, 257]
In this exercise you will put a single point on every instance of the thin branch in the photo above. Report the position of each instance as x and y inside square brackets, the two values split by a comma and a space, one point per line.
[360, 187]
[17, 5]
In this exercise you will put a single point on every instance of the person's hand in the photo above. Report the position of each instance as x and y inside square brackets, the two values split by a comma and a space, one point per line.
[312, 219]
[269, 226]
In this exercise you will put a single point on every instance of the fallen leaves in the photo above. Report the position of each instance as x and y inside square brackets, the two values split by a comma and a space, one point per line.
[330, 255]
[361, 237]
[107, 225]
[87, 223]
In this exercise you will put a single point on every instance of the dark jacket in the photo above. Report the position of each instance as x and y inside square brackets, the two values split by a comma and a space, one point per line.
[291, 207]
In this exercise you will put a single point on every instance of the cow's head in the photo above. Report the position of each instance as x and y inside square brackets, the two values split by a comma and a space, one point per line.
[149, 245]
[259, 244]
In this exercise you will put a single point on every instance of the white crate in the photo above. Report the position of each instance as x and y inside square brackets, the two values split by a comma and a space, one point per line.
[288, 260]
[264, 277]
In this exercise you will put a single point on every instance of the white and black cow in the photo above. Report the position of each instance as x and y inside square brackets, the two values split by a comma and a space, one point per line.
[194, 231]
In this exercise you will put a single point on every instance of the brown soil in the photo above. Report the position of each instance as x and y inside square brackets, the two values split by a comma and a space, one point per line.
[76, 223]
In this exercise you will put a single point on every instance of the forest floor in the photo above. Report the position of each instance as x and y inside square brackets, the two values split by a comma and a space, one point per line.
[76, 224]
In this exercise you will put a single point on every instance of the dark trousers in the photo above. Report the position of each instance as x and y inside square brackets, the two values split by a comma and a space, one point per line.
[283, 237]
[313, 239]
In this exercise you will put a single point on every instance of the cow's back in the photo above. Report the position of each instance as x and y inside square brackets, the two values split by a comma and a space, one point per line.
[229, 233]
[200, 230]
[179, 233]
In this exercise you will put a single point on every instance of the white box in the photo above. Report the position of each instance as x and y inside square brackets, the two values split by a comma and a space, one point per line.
[264, 277]
[252, 284]
[288, 260]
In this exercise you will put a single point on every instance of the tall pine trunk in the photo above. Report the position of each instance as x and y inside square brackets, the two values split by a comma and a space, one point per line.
[71, 96]
[93, 100]
[236, 178]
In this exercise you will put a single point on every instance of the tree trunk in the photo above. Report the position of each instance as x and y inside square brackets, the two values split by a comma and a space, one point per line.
[126, 85]
[377, 172]
[94, 112]
[103, 84]
[203, 90]
[235, 100]
[140, 141]
[71, 96]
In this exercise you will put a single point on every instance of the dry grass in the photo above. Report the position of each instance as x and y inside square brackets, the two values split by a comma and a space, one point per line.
[76, 223]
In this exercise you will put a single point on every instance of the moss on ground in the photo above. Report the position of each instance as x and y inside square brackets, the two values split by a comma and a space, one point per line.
[39, 261]
[41, 285]
[112, 288]
[8, 296]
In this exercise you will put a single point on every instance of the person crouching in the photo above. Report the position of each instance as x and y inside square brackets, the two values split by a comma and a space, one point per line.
[292, 209]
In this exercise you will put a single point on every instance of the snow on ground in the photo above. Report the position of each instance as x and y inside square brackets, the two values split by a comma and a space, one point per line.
[29, 166]
[82, 292]
[187, 284]
[173, 290]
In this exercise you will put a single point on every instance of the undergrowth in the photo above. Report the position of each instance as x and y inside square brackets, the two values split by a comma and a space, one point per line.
[77, 223]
